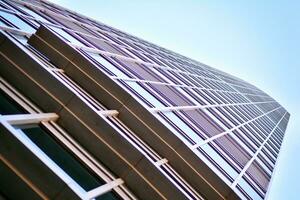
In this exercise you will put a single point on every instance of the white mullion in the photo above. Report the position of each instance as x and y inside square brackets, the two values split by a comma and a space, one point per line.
[230, 130]
[268, 160]
[222, 153]
[194, 107]
[280, 130]
[196, 75]
[175, 108]
[255, 155]
[82, 154]
[254, 184]
[143, 81]
[104, 188]
[237, 139]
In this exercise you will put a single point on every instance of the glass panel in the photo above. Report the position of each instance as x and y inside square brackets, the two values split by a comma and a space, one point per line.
[249, 190]
[258, 175]
[40, 137]
[67, 36]
[183, 126]
[149, 97]
[233, 149]
[219, 160]
[2, 23]
[108, 65]
[172, 95]
[34, 14]
[8, 106]
[139, 70]
[67, 162]
[170, 127]
[17, 22]
[203, 122]
[61, 157]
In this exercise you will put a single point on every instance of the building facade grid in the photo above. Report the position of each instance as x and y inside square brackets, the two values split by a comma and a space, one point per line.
[232, 126]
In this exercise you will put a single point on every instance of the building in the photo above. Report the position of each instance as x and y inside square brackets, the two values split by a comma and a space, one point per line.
[91, 112]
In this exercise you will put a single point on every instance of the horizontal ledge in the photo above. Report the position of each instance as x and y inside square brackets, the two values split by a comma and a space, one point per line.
[108, 113]
[161, 162]
[20, 119]
[56, 70]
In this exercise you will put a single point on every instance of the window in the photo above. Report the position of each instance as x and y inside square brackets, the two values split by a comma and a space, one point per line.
[44, 138]
[33, 14]
[41, 137]
[17, 22]
[245, 187]
[218, 161]
[110, 67]
[8, 106]
[67, 36]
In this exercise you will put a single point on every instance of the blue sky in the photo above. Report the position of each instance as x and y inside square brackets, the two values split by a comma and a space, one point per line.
[258, 41]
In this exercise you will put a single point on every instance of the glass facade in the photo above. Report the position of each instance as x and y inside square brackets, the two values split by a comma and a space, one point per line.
[232, 126]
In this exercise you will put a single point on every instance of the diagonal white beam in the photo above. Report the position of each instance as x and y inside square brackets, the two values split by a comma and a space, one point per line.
[230, 130]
